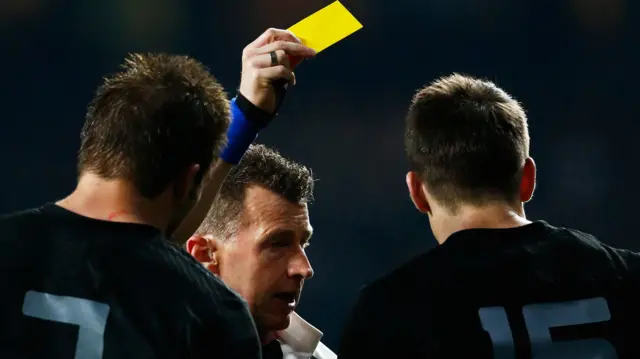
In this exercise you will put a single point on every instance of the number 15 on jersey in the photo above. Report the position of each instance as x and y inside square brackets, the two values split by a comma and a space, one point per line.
[539, 318]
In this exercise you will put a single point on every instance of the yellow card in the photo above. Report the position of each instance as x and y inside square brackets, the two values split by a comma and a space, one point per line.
[326, 26]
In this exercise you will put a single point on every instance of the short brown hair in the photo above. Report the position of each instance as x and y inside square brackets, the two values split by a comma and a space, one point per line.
[468, 140]
[260, 166]
[153, 119]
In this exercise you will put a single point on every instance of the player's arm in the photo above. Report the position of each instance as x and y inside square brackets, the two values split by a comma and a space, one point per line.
[251, 111]
[192, 221]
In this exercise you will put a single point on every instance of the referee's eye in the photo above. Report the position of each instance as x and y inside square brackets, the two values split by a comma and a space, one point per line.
[280, 243]
[281, 239]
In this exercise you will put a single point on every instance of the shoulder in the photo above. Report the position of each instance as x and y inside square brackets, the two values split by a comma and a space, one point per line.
[21, 218]
[590, 240]
[188, 273]
[16, 226]
[404, 276]
[212, 302]
[388, 308]
[589, 247]
[214, 314]
[404, 284]
[572, 233]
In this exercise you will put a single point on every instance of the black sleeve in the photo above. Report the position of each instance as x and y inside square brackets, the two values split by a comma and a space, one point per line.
[230, 333]
[363, 334]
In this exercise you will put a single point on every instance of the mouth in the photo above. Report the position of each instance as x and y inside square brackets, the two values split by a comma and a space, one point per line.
[290, 298]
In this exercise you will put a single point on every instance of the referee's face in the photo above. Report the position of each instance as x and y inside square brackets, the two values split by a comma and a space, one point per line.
[266, 262]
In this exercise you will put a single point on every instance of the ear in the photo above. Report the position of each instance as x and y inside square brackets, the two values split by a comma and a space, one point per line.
[204, 251]
[185, 182]
[528, 182]
[417, 192]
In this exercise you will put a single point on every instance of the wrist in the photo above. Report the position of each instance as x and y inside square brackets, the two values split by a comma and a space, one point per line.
[242, 130]
[251, 112]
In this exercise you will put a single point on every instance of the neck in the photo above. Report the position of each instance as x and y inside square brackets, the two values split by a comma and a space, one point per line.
[498, 215]
[115, 200]
[267, 337]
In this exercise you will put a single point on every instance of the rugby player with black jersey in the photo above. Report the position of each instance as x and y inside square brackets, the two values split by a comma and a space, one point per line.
[498, 285]
[95, 274]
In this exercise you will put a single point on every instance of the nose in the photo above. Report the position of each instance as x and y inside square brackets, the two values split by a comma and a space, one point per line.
[300, 266]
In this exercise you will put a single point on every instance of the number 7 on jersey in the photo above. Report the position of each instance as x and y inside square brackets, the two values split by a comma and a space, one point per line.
[90, 317]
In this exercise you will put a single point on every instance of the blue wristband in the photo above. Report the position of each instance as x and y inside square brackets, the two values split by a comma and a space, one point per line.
[240, 135]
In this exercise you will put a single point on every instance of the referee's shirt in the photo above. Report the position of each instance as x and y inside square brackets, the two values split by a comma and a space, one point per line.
[300, 340]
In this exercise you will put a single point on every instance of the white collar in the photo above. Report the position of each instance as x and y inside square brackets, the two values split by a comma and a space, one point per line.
[302, 337]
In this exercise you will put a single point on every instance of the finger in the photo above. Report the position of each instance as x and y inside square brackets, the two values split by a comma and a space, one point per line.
[264, 60]
[273, 34]
[290, 83]
[291, 48]
[294, 61]
[276, 73]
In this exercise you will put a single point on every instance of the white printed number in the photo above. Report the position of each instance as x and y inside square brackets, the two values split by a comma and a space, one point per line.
[539, 318]
[90, 317]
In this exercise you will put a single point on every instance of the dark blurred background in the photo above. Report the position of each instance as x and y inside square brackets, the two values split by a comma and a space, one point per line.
[571, 62]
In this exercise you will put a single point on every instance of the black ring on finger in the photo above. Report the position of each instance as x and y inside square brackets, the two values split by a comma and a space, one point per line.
[274, 58]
